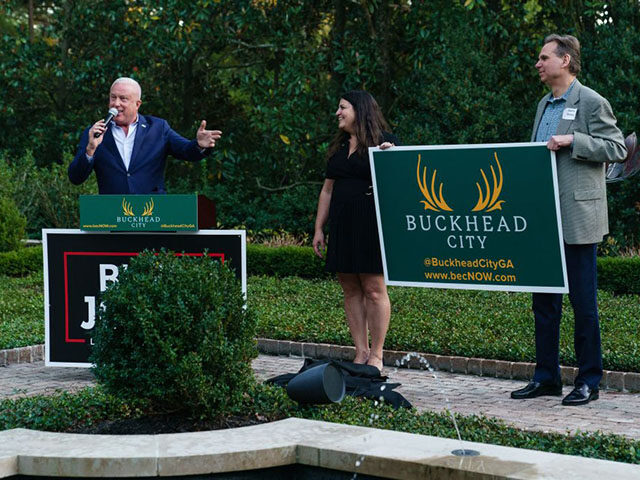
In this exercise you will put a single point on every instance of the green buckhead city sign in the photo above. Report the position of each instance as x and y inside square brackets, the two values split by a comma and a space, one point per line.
[483, 217]
[138, 213]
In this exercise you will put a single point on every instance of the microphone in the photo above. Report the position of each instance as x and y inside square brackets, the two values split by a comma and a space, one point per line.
[112, 113]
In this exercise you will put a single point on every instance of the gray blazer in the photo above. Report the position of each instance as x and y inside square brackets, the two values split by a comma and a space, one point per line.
[581, 174]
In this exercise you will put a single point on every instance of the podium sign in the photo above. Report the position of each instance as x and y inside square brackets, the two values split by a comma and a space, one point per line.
[138, 213]
[482, 217]
[78, 266]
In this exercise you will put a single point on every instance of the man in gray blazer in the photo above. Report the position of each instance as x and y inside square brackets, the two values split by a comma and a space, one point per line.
[579, 125]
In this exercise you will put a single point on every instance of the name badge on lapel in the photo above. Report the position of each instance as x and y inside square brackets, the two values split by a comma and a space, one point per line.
[569, 113]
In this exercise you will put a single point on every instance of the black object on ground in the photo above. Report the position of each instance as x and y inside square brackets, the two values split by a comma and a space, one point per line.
[323, 383]
[360, 381]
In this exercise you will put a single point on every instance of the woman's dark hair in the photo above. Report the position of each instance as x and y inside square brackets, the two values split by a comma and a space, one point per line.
[369, 123]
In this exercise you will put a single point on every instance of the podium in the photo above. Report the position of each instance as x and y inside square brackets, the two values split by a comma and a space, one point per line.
[146, 213]
[79, 264]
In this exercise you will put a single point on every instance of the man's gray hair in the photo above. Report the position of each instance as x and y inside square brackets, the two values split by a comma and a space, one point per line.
[129, 81]
[567, 45]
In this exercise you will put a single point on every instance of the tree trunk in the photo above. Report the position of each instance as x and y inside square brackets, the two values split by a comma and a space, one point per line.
[30, 21]
[187, 95]
[385, 39]
[339, 24]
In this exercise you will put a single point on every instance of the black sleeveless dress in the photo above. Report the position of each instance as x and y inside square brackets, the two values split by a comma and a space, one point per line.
[353, 245]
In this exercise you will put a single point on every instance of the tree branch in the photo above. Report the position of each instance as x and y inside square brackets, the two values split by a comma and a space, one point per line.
[286, 187]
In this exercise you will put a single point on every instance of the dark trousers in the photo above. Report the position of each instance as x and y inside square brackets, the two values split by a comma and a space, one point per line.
[547, 310]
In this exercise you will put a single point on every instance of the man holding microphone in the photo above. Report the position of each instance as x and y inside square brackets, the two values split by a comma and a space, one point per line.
[129, 153]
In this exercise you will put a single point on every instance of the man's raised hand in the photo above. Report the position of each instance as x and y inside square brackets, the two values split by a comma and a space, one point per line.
[207, 138]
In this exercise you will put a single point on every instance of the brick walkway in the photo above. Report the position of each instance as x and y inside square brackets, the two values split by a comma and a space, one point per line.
[614, 412]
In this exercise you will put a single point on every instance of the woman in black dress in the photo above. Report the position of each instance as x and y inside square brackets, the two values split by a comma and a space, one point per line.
[346, 201]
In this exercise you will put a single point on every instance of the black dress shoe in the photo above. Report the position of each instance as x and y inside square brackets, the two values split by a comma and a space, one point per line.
[537, 389]
[581, 395]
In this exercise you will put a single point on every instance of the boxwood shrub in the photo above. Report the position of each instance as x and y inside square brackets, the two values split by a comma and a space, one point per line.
[619, 274]
[616, 274]
[12, 225]
[174, 331]
[284, 261]
[21, 261]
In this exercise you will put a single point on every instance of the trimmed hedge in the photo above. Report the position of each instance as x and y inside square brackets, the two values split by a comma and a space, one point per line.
[284, 262]
[21, 261]
[619, 274]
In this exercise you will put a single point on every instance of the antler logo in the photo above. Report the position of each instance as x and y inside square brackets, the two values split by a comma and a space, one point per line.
[488, 201]
[488, 197]
[148, 208]
[432, 201]
[126, 208]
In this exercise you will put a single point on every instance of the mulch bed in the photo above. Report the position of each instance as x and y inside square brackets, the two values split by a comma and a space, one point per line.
[167, 423]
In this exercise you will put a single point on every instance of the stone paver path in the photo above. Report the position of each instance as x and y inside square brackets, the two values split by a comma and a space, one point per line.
[614, 412]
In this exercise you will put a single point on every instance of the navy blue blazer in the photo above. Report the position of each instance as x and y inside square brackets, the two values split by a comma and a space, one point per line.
[153, 142]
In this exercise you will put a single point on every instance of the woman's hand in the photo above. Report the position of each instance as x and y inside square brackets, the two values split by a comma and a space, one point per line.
[318, 243]
[385, 145]
[321, 217]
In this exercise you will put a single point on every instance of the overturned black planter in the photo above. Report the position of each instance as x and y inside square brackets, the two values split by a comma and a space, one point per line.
[320, 384]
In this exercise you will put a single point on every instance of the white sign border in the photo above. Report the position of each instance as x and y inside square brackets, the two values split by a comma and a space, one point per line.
[468, 286]
[72, 231]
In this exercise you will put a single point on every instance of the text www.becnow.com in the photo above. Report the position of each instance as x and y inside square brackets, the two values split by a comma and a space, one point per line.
[470, 276]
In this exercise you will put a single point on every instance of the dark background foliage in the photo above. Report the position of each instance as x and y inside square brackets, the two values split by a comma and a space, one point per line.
[269, 74]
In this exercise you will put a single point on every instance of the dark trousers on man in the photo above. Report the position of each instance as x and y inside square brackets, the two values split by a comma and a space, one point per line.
[547, 310]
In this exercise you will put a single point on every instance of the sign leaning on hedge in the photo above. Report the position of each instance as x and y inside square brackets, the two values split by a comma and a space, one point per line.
[79, 265]
[481, 217]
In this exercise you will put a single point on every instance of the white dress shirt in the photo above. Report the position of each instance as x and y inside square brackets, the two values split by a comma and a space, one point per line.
[124, 142]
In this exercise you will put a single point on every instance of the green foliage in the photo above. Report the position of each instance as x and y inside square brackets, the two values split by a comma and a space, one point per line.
[43, 194]
[624, 213]
[21, 261]
[619, 274]
[269, 74]
[615, 274]
[475, 428]
[174, 332]
[21, 311]
[12, 225]
[292, 210]
[284, 261]
[64, 411]
[496, 325]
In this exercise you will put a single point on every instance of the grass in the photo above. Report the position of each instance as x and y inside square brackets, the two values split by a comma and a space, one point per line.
[489, 324]
[497, 325]
[21, 311]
